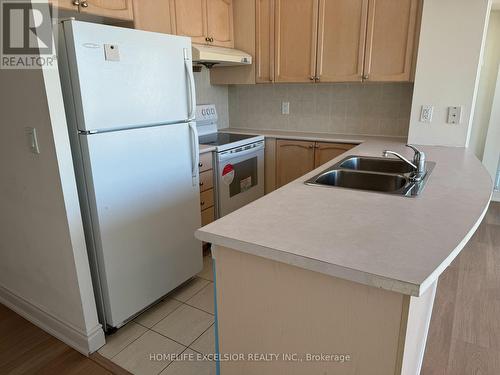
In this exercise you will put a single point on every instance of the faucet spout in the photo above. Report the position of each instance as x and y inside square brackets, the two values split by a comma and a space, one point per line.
[386, 154]
[418, 164]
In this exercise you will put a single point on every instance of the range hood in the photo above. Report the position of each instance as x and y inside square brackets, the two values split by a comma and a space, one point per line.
[219, 56]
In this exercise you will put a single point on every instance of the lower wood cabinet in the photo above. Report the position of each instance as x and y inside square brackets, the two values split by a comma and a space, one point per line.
[324, 152]
[207, 193]
[293, 159]
[296, 158]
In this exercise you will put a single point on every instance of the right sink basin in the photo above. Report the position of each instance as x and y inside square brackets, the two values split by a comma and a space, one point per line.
[372, 164]
[383, 175]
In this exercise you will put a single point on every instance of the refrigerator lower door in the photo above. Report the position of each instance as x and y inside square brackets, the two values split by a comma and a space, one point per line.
[125, 78]
[144, 209]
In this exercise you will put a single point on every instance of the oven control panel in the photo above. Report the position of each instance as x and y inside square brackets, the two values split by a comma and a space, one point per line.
[206, 113]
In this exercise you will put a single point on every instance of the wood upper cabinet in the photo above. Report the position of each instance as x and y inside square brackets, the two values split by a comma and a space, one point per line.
[293, 159]
[324, 152]
[191, 19]
[264, 41]
[119, 9]
[296, 30]
[220, 22]
[153, 15]
[390, 39]
[64, 4]
[341, 40]
[205, 21]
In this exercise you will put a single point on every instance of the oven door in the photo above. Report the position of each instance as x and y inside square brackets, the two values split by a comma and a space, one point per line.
[240, 177]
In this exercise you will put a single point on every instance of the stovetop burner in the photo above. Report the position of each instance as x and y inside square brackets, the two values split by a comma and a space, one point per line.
[220, 139]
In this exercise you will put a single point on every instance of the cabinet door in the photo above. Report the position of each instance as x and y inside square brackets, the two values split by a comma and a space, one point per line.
[120, 9]
[296, 30]
[264, 41]
[64, 5]
[220, 22]
[191, 19]
[153, 15]
[341, 40]
[325, 152]
[293, 159]
[390, 39]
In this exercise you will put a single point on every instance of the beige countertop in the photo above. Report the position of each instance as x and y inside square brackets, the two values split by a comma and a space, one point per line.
[387, 241]
[206, 148]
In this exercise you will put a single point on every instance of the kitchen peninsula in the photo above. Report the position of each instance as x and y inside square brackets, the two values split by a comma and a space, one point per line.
[312, 270]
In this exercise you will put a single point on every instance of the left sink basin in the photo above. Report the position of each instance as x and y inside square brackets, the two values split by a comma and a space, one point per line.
[361, 180]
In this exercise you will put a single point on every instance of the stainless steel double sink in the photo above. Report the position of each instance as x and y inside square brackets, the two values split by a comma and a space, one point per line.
[383, 175]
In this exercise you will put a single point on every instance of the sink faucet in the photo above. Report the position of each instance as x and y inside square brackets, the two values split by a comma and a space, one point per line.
[418, 163]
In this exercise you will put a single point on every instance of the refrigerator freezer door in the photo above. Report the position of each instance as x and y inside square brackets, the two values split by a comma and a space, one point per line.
[144, 211]
[125, 78]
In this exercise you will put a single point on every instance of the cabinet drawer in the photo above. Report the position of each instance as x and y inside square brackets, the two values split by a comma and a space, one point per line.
[205, 161]
[206, 180]
[207, 216]
[207, 199]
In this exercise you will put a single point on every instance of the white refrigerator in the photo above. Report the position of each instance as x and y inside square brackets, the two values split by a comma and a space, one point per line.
[130, 101]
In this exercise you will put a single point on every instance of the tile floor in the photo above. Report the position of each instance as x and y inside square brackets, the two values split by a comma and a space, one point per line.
[183, 322]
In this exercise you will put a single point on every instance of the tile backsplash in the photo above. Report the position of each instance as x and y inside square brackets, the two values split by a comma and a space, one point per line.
[208, 94]
[369, 109]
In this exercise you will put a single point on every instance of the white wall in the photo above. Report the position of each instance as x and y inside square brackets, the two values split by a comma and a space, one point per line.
[44, 270]
[491, 158]
[451, 40]
[486, 90]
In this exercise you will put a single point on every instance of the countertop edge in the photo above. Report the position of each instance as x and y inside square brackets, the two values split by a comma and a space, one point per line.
[324, 137]
[314, 265]
[448, 260]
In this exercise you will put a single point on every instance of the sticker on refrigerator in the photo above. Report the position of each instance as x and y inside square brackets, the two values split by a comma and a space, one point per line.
[246, 184]
[228, 174]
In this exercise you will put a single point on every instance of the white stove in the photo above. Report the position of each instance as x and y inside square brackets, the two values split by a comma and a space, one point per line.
[239, 163]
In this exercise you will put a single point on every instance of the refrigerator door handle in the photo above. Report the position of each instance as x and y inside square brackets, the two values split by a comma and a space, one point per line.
[192, 90]
[195, 153]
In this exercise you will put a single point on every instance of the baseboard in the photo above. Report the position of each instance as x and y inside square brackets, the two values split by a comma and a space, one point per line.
[496, 196]
[83, 342]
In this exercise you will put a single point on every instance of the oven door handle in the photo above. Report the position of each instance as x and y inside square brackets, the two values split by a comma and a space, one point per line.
[224, 156]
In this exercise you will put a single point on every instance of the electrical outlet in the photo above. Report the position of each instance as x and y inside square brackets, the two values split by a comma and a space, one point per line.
[285, 108]
[426, 113]
[32, 139]
[454, 115]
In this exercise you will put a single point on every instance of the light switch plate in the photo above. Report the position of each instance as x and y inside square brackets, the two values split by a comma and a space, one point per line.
[111, 52]
[454, 115]
[426, 113]
[285, 108]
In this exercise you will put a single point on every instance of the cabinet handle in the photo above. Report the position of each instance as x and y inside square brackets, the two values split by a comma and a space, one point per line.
[76, 2]
[312, 78]
[316, 78]
[317, 146]
[311, 146]
[365, 76]
[201, 183]
[207, 39]
[211, 39]
[85, 4]
[200, 165]
[202, 203]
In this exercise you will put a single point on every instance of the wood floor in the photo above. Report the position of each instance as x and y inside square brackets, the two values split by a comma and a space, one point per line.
[26, 349]
[464, 336]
